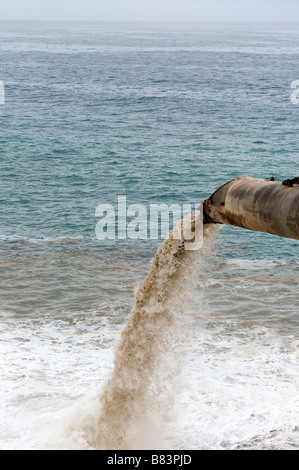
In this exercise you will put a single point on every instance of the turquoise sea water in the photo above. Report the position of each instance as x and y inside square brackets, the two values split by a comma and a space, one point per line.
[160, 113]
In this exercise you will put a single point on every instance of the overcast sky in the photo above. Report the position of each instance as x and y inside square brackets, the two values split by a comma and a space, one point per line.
[201, 10]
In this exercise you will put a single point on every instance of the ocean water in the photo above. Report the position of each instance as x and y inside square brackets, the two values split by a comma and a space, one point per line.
[159, 113]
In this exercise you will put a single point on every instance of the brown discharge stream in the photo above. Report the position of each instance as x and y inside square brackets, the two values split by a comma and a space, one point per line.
[143, 362]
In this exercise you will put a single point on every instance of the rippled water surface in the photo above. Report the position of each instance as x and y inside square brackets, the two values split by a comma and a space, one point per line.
[160, 113]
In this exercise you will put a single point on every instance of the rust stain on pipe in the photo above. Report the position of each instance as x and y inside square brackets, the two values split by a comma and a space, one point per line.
[256, 204]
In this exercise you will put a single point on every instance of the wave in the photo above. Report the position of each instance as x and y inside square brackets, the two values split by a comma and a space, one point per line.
[36, 240]
[17, 46]
[257, 264]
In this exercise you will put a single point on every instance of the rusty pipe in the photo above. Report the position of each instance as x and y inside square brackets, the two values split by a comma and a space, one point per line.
[256, 204]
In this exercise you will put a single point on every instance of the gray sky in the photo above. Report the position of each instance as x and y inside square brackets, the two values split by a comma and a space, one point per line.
[200, 10]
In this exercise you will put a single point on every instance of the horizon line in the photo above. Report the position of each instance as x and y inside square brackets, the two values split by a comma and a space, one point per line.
[147, 21]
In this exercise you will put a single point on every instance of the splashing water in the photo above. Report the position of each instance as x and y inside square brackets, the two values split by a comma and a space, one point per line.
[145, 364]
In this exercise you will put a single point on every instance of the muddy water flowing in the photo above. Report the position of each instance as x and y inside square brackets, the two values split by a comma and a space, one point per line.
[145, 360]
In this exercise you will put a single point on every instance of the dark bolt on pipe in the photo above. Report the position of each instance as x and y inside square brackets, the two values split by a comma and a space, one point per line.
[256, 204]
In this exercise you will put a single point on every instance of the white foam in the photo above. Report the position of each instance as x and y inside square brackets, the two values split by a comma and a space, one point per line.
[236, 387]
[233, 382]
[23, 240]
